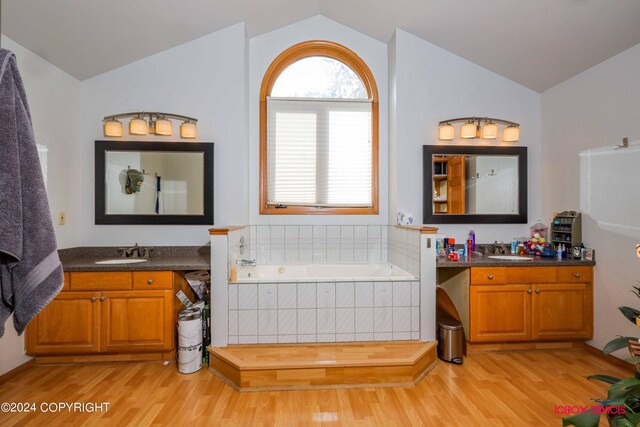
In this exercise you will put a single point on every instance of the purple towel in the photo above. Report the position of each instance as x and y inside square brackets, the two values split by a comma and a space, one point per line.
[30, 270]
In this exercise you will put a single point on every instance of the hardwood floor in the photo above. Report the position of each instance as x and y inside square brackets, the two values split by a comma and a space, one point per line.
[510, 388]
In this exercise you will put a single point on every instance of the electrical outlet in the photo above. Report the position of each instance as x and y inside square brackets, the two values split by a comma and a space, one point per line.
[62, 217]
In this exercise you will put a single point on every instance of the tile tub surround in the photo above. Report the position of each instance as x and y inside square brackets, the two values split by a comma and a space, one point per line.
[318, 245]
[306, 244]
[328, 244]
[323, 312]
[404, 249]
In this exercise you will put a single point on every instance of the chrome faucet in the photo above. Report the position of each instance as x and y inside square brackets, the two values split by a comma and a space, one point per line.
[135, 252]
[247, 262]
[499, 248]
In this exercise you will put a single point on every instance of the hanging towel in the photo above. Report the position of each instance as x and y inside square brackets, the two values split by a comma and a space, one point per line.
[30, 270]
[159, 206]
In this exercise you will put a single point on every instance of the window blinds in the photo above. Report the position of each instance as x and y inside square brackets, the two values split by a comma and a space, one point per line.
[319, 152]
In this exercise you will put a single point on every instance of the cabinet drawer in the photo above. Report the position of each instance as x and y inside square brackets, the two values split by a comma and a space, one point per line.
[574, 274]
[532, 274]
[98, 281]
[488, 275]
[152, 280]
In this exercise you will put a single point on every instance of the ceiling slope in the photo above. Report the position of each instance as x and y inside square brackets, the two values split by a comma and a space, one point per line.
[535, 43]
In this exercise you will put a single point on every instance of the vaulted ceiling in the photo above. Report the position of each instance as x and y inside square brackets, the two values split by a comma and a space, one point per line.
[536, 43]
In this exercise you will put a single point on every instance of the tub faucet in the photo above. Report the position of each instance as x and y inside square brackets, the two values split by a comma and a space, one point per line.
[247, 262]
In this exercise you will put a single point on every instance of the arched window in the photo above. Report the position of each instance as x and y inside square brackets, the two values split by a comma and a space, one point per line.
[318, 133]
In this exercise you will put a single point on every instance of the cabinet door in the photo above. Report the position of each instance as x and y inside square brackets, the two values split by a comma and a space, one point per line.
[562, 311]
[500, 313]
[137, 321]
[68, 324]
[455, 196]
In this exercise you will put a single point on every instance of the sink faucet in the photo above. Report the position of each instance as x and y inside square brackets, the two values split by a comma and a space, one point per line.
[499, 248]
[135, 252]
[247, 262]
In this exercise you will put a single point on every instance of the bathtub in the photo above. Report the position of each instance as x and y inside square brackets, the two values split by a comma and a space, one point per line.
[323, 272]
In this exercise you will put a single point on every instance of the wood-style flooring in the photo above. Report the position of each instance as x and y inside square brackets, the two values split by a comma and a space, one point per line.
[510, 388]
[297, 366]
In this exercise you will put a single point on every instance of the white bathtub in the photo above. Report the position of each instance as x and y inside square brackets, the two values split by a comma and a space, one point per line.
[323, 272]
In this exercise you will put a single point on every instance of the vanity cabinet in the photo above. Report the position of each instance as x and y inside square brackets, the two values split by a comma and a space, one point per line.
[106, 312]
[530, 303]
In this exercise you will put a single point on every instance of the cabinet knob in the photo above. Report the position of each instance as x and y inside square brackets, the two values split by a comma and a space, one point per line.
[150, 281]
[94, 299]
[102, 298]
[529, 291]
[537, 291]
[490, 277]
[577, 275]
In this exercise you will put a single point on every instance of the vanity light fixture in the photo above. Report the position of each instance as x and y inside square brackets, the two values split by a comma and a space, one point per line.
[155, 123]
[138, 126]
[188, 130]
[164, 127]
[468, 130]
[490, 131]
[511, 134]
[479, 127]
[447, 132]
[112, 127]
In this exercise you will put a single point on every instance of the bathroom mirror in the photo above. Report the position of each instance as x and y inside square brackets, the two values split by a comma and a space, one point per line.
[474, 184]
[140, 182]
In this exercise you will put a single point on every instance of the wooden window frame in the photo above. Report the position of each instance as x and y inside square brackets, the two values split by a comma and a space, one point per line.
[348, 57]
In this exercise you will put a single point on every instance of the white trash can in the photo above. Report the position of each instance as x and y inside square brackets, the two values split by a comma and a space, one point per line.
[189, 341]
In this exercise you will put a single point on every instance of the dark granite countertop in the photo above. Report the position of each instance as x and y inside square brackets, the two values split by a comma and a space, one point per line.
[173, 258]
[485, 261]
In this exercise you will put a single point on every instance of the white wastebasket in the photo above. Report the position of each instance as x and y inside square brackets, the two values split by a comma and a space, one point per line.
[189, 341]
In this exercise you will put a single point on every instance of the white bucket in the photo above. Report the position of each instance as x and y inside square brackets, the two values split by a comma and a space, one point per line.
[189, 341]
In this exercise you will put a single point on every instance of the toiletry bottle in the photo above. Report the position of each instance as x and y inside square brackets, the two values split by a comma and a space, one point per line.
[469, 246]
[559, 252]
[451, 245]
[472, 236]
[465, 251]
[514, 247]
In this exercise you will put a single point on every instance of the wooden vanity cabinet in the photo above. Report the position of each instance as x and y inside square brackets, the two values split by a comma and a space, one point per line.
[530, 303]
[106, 312]
[500, 313]
[137, 321]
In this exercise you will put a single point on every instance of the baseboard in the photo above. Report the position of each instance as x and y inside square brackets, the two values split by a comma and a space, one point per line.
[105, 358]
[17, 370]
[514, 346]
[609, 358]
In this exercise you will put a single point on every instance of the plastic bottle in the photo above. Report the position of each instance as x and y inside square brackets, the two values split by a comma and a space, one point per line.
[451, 245]
[472, 237]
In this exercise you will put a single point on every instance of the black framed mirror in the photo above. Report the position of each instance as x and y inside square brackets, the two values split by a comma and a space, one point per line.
[474, 184]
[148, 182]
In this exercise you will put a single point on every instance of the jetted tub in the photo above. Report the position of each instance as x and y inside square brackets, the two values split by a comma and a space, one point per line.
[323, 272]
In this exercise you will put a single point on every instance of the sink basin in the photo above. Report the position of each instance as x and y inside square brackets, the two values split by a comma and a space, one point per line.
[510, 257]
[122, 261]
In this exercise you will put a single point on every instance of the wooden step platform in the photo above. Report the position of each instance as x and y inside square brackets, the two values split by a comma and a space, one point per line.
[327, 365]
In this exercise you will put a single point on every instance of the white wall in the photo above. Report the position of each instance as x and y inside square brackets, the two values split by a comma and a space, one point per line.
[432, 84]
[53, 98]
[262, 51]
[583, 118]
[204, 79]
